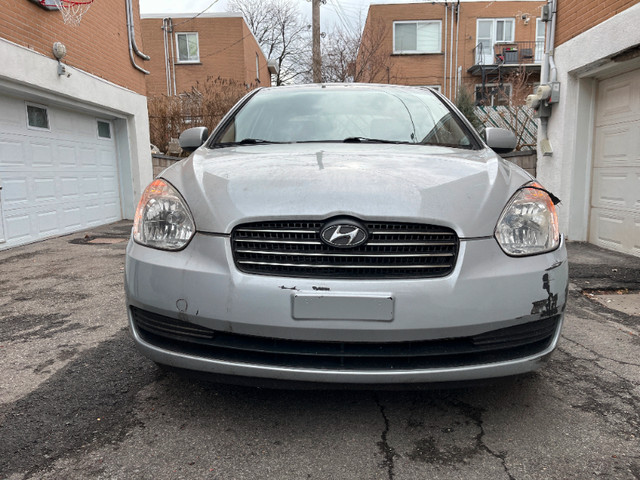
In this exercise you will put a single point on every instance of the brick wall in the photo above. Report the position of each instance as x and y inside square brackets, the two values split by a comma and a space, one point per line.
[428, 69]
[99, 45]
[577, 16]
[227, 50]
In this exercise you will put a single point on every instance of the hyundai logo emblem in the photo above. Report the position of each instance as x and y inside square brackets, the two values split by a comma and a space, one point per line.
[344, 233]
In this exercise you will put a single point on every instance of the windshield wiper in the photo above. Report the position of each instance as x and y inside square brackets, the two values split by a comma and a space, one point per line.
[371, 140]
[244, 141]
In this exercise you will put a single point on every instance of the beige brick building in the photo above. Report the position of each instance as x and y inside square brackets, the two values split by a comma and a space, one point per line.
[445, 44]
[186, 50]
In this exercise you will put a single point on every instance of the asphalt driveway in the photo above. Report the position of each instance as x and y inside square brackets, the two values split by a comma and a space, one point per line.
[77, 401]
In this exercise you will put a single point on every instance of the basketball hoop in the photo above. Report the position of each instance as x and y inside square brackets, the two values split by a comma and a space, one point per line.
[71, 10]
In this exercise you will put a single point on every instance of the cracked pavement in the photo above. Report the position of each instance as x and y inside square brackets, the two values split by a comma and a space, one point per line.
[77, 401]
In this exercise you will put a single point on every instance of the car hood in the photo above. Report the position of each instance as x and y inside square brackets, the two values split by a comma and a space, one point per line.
[462, 189]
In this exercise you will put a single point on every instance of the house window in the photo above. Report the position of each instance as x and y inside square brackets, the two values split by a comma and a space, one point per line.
[104, 129]
[417, 37]
[188, 50]
[37, 117]
[257, 68]
[490, 31]
[493, 94]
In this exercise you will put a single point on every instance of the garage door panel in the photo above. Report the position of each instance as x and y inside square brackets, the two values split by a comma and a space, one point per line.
[71, 218]
[18, 227]
[41, 155]
[15, 192]
[619, 99]
[45, 189]
[616, 188]
[67, 156]
[617, 145]
[47, 222]
[11, 152]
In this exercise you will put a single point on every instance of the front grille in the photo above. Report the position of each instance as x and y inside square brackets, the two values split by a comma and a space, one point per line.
[394, 250]
[498, 345]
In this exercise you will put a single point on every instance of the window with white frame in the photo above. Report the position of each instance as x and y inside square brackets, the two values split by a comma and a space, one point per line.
[188, 49]
[489, 32]
[422, 36]
[37, 117]
[258, 68]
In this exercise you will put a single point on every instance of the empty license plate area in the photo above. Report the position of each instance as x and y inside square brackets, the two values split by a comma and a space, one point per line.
[314, 306]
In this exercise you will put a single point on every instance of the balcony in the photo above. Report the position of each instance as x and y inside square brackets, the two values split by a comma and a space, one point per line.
[508, 56]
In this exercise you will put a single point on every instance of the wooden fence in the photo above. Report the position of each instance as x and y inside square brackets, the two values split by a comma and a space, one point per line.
[519, 120]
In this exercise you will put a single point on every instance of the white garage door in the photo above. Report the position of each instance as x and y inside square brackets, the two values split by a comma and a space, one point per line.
[58, 171]
[615, 196]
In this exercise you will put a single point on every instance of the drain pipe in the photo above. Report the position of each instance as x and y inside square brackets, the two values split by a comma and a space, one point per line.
[444, 81]
[167, 66]
[133, 34]
[451, 77]
[548, 67]
[457, 48]
[132, 46]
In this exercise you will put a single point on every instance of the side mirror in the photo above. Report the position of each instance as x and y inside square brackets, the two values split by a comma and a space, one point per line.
[500, 139]
[193, 138]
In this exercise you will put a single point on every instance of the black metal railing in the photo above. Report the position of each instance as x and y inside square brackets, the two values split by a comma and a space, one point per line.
[513, 53]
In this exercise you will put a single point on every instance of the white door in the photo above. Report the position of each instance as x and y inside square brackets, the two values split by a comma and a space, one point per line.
[615, 196]
[58, 170]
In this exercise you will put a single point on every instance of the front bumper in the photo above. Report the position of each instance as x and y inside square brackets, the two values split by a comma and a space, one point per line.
[487, 292]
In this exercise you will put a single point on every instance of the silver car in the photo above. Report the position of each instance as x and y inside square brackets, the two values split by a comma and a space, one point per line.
[358, 234]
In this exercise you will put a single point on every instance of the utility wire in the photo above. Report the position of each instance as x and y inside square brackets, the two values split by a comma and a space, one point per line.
[196, 16]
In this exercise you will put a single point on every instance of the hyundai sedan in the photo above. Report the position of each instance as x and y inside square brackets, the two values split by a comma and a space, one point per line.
[346, 234]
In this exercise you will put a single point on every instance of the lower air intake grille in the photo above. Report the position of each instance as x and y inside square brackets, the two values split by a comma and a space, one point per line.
[393, 250]
[498, 345]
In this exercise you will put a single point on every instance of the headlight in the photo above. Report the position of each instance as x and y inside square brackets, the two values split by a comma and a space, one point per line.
[162, 218]
[529, 223]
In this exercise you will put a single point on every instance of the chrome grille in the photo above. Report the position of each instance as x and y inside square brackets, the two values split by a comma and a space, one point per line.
[394, 250]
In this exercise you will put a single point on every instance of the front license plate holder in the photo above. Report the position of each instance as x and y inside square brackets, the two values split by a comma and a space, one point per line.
[313, 306]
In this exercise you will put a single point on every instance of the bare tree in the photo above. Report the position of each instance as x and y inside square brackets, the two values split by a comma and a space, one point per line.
[373, 60]
[281, 32]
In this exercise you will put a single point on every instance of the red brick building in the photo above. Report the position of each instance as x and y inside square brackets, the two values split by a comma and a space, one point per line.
[186, 50]
[74, 136]
[445, 44]
[591, 158]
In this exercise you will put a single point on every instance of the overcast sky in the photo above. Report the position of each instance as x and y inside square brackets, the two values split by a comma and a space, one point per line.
[349, 12]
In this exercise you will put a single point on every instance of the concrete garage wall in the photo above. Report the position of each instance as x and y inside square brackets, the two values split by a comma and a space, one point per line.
[581, 62]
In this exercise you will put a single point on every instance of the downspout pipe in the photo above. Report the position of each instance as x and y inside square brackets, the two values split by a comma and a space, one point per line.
[549, 73]
[133, 33]
[457, 48]
[444, 84]
[131, 42]
[451, 74]
[167, 66]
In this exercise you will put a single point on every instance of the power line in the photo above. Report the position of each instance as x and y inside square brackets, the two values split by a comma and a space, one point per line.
[196, 16]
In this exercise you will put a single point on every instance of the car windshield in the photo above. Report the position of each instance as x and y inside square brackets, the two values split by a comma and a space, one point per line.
[329, 114]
